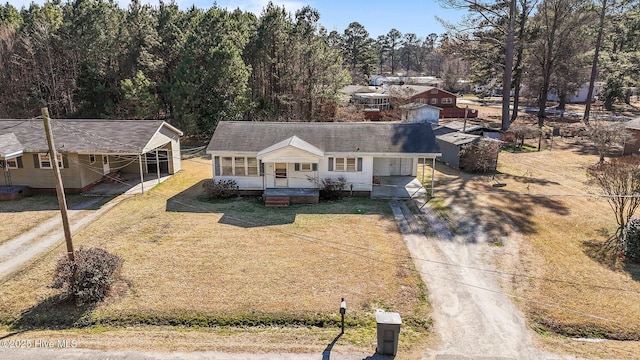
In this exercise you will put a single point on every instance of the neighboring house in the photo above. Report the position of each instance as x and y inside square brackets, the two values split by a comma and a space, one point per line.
[87, 151]
[451, 144]
[580, 95]
[261, 156]
[423, 94]
[375, 101]
[632, 146]
[418, 113]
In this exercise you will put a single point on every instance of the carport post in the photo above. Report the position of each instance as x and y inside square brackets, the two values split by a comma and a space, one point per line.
[433, 174]
[424, 162]
[141, 174]
[158, 166]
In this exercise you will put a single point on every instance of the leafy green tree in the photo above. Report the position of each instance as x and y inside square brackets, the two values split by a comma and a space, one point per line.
[139, 101]
[359, 52]
[212, 76]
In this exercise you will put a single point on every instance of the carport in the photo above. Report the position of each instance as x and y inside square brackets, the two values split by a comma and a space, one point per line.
[398, 187]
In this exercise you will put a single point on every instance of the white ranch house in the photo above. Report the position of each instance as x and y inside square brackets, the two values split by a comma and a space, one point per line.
[275, 156]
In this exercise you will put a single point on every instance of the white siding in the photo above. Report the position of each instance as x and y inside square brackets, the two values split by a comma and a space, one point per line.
[244, 182]
[422, 114]
[361, 180]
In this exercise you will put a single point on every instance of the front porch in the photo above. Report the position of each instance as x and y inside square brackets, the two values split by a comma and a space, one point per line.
[286, 196]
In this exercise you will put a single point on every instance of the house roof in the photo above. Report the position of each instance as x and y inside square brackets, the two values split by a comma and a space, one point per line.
[295, 142]
[86, 136]
[10, 146]
[365, 138]
[633, 124]
[458, 138]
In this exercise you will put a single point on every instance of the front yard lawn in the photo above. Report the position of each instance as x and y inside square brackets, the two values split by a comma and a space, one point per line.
[193, 262]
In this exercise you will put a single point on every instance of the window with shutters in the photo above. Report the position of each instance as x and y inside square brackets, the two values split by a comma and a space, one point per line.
[13, 163]
[236, 166]
[347, 164]
[45, 160]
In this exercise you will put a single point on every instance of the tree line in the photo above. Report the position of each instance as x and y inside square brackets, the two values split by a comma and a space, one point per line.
[194, 67]
[550, 46]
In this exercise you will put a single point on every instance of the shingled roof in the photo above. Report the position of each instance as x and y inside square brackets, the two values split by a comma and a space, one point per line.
[365, 138]
[86, 136]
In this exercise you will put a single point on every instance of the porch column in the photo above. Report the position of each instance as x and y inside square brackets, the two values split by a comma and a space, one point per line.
[141, 173]
[158, 166]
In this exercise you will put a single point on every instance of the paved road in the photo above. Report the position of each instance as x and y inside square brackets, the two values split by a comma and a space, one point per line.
[472, 322]
[20, 251]
[83, 354]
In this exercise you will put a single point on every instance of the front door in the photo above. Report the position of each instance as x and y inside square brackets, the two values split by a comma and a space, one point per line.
[105, 164]
[281, 175]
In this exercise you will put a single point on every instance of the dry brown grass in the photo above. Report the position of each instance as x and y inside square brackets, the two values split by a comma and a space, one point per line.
[24, 214]
[569, 288]
[189, 261]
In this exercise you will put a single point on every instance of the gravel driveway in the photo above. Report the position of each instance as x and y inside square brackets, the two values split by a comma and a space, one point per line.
[472, 317]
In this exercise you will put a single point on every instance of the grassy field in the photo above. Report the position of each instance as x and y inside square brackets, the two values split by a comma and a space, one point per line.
[207, 264]
[538, 204]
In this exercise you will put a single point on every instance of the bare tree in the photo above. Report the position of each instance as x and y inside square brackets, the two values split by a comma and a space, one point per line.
[619, 179]
[606, 135]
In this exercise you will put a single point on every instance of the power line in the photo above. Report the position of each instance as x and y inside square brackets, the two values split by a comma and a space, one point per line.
[319, 242]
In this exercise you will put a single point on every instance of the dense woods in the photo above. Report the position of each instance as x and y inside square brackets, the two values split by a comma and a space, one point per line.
[195, 67]
[92, 59]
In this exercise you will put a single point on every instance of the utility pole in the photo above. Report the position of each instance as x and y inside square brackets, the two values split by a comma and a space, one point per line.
[62, 201]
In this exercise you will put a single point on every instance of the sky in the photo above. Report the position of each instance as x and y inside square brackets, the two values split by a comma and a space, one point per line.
[377, 16]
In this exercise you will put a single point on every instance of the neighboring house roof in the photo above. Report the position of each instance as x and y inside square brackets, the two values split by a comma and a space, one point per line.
[633, 124]
[352, 89]
[365, 138]
[10, 146]
[87, 136]
[371, 95]
[413, 106]
[409, 91]
[458, 138]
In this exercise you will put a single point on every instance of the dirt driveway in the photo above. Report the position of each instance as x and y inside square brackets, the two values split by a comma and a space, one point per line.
[473, 318]
[20, 251]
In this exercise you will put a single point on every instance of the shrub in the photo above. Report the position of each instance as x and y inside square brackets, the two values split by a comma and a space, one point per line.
[221, 189]
[631, 244]
[332, 189]
[96, 269]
